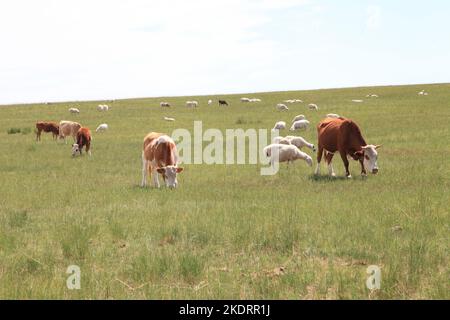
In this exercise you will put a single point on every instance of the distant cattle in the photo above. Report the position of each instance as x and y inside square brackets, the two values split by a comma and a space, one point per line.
[74, 110]
[83, 140]
[223, 103]
[344, 136]
[299, 125]
[159, 155]
[102, 127]
[68, 128]
[52, 127]
[164, 104]
[285, 153]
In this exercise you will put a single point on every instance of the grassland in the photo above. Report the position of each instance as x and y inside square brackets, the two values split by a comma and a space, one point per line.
[227, 231]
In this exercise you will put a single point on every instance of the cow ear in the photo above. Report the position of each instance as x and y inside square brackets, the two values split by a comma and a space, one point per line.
[179, 170]
[161, 170]
[377, 146]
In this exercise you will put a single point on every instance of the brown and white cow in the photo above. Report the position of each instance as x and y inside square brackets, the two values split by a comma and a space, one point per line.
[45, 126]
[344, 136]
[68, 128]
[160, 155]
[83, 139]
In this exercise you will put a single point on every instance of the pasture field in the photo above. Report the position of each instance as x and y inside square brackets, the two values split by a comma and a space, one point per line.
[226, 231]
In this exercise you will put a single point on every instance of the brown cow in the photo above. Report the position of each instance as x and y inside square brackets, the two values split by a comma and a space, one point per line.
[343, 135]
[83, 139]
[52, 127]
[160, 155]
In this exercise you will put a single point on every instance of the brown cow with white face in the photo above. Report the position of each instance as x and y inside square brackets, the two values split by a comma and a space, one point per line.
[343, 136]
[160, 155]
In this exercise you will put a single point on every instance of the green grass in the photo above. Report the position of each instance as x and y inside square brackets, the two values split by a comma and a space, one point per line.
[224, 232]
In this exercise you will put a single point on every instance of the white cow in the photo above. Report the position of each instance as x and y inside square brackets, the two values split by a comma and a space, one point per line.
[280, 125]
[300, 124]
[313, 106]
[102, 127]
[333, 115]
[282, 107]
[285, 153]
[299, 117]
[74, 110]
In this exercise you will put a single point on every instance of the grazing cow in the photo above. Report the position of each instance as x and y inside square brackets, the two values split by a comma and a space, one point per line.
[280, 125]
[160, 155]
[68, 128]
[52, 127]
[285, 153]
[102, 127]
[165, 104]
[74, 110]
[223, 103]
[333, 115]
[83, 139]
[344, 136]
[300, 124]
[313, 106]
[282, 107]
[299, 117]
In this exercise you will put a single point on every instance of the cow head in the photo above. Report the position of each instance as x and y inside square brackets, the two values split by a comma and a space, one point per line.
[169, 175]
[369, 156]
[75, 149]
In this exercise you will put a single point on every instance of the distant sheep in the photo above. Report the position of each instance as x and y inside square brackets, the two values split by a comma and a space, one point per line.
[102, 127]
[245, 100]
[299, 142]
[74, 110]
[333, 115]
[299, 125]
[282, 107]
[210, 102]
[169, 119]
[357, 101]
[313, 106]
[192, 104]
[280, 125]
[255, 100]
[372, 96]
[423, 93]
[102, 107]
[299, 117]
[164, 104]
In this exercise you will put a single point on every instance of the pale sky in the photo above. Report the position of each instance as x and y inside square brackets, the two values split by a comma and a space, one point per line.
[60, 50]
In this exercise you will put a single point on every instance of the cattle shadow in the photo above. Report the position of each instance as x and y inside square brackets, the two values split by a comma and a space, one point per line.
[327, 178]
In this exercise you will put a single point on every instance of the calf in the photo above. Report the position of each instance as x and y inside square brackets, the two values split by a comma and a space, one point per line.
[52, 127]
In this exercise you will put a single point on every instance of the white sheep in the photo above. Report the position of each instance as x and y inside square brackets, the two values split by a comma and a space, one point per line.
[210, 102]
[300, 124]
[169, 119]
[280, 125]
[164, 104]
[282, 107]
[313, 106]
[299, 117]
[245, 100]
[102, 127]
[74, 110]
[333, 115]
[300, 142]
[285, 153]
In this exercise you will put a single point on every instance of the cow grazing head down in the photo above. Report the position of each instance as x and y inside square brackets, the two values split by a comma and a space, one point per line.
[369, 156]
[169, 175]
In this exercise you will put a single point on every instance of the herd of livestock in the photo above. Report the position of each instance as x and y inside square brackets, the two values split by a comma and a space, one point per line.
[336, 135]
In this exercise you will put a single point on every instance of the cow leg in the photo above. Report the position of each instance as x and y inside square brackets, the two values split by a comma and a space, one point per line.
[363, 170]
[88, 148]
[346, 163]
[319, 158]
[144, 171]
[328, 159]
[155, 177]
